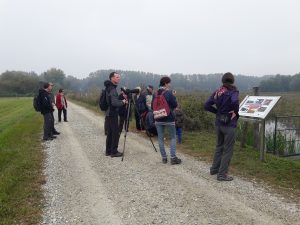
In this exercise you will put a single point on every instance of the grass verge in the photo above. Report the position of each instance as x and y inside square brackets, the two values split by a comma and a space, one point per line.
[280, 173]
[21, 160]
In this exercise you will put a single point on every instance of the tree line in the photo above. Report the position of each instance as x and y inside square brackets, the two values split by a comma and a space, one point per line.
[280, 83]
[19, 83]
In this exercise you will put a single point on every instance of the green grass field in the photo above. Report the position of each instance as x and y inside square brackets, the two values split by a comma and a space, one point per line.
[20, 162]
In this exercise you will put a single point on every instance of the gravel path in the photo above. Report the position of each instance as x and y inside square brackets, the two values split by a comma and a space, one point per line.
[85, 187]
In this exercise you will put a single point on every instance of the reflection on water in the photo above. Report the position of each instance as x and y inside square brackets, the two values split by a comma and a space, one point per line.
[287, 138]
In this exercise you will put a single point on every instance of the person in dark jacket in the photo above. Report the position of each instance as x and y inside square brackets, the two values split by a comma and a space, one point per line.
[54, 131]
[112, 113]
[46, 111]
[224, 102]
[179, 123]
[61, 105]
[167, 121]
[122, 112]
[139, 100]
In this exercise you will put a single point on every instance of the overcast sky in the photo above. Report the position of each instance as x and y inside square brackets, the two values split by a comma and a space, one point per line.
[251, 37]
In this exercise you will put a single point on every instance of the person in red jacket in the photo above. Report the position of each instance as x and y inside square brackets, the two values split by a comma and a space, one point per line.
[61, 104]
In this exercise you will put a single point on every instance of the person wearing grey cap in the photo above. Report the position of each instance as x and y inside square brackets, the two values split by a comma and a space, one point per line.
[149, 96]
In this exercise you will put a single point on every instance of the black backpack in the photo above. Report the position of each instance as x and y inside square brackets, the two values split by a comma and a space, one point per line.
[103, 104]
[37, 103]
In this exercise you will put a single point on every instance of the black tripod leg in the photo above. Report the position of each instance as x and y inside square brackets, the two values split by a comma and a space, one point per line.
[126, 127]
[148, 134]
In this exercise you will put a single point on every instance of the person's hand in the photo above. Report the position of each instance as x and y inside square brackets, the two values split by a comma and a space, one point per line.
[125, 101]
[233, 114]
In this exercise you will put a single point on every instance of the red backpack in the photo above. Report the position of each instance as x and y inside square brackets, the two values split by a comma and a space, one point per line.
[160, 106]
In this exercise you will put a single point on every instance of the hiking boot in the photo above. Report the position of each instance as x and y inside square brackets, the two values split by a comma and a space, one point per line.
[164, 160]
[56, 133]
[117, 154]
[107, 154]
[48, 139]
[53, 137]
[213, 172]
[224, 177]
[175, 160]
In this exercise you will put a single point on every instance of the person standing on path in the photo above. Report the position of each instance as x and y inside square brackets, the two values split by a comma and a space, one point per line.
[164, 97]
[53, 130]
[45, 103]
[61, 104]
[149, 97]
[112, 113]
[137, 98]
[226, 101]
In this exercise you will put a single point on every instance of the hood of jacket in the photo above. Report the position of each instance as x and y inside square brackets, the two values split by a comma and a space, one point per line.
[43, 91]
[108, 83]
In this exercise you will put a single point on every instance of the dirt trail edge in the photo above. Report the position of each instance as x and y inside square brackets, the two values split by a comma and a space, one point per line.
[86, 187]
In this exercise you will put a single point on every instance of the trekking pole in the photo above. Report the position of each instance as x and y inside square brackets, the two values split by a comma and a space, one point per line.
[126, 126]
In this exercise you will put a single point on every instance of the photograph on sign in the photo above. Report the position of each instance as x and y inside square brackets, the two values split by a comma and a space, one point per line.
[257, 106]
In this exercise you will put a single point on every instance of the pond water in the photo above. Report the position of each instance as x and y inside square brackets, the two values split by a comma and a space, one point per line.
[287, 135]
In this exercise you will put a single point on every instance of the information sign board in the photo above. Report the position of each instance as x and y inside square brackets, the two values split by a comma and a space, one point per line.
[257, 106]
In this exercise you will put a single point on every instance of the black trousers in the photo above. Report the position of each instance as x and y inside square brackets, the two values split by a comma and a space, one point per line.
[121, 124]
[138, 122]
[112, 138]
[64, 112]
[48, 125]
[105, 125]
[53, 130]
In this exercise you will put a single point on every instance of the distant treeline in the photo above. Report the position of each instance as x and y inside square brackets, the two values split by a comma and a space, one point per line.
[19, 83]
[281, 83]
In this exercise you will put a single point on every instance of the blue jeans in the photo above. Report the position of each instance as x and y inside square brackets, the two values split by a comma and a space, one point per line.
[160, 133]
[179, 134]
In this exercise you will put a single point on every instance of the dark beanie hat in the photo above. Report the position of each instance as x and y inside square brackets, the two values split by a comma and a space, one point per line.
[164, 80]
[228, 78]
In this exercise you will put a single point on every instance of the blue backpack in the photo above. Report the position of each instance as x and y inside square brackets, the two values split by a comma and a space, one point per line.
[141, 104]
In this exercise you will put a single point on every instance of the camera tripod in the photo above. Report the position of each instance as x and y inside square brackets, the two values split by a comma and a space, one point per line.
[130, 103]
